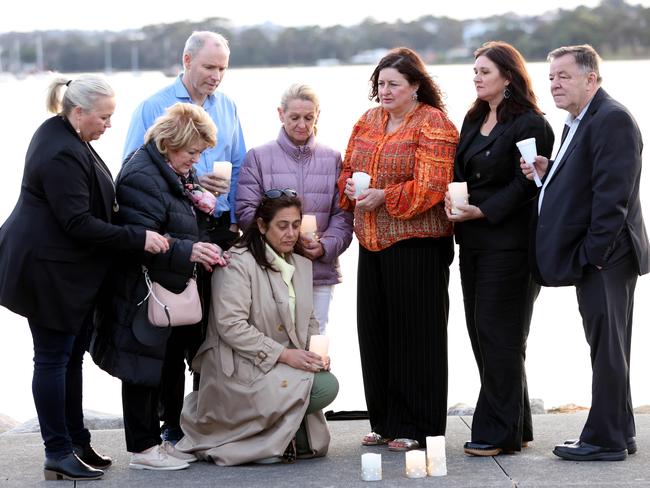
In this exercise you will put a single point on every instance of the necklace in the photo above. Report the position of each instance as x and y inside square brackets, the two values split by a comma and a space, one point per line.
[104, 171]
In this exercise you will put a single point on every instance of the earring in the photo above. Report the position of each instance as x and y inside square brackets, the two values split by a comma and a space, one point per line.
[414, 96]
[507, 93]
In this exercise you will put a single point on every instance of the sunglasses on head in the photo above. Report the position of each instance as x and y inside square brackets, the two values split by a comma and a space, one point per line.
[277, 193]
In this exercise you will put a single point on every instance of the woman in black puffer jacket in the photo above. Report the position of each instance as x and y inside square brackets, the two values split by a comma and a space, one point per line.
[157, 189]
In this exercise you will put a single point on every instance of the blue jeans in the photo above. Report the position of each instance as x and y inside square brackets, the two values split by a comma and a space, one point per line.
[57, 387]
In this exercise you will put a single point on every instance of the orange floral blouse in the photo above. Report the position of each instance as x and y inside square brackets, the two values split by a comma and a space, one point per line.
[413, 165]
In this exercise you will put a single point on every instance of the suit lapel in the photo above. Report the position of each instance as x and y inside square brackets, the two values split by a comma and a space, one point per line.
[472, 133]
[582, 127]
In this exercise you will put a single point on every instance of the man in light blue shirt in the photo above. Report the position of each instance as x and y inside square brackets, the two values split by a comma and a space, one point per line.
[205, 60]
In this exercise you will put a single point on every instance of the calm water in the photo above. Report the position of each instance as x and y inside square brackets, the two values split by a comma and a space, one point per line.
[556, 340]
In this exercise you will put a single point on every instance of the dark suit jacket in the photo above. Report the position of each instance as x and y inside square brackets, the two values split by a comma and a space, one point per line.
[591, 205]
[495, 182]
[55, 246]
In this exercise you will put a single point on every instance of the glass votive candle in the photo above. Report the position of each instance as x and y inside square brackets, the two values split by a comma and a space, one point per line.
[436, 456]
[371, 467]
[416, 464]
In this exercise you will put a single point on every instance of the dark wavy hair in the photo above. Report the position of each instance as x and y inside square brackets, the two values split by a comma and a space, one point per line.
[266, 210]
[409, 64]
[512, 66]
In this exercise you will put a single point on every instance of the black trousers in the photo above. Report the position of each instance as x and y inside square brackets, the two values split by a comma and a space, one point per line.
[499, 293]
[141, 425]
[606, 301]
[184, 341]
[57, 386]
[402, 312]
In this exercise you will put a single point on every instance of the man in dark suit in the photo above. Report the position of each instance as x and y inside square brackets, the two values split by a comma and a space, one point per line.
[589, 233]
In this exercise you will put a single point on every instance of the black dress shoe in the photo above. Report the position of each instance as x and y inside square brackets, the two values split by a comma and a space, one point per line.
[91, 457]
[70, 467]
[479, 449]
[588, 452]
[631, 444]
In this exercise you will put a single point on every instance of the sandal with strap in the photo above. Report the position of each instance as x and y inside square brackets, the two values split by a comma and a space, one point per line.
[374, 439]
[403, 444]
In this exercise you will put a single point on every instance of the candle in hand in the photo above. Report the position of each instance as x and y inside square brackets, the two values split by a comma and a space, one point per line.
[319, 344]
[222, 169]
[308, 226]
[458, 193]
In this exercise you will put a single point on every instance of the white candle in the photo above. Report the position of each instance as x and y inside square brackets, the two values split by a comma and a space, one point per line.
[436, 457]
[319, 344]
[371, 467]
[308, 226]
[361, 182]
[416, 464]
[222, 169]
[458, 193]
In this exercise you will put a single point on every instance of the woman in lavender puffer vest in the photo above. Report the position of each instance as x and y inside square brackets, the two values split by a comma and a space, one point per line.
[295, 160]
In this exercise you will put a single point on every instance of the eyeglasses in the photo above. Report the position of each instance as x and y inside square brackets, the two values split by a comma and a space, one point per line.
[277, 193]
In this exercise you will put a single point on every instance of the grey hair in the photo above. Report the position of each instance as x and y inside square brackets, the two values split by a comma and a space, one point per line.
[299, 92]
[197, 40]
[584, 55]
[81, 92]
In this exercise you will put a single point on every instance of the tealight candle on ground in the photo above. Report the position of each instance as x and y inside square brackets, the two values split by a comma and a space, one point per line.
[308, 226]
[436, 457]
[319, 344]
[371, 467]
[458, 193]
[222, 169]
[416, 464]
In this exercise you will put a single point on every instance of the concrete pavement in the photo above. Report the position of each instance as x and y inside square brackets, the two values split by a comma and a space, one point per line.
[21, 458]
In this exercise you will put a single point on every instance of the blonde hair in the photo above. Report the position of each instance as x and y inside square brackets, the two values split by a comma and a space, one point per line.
[298, 91]
[182, 125]
[81, 92]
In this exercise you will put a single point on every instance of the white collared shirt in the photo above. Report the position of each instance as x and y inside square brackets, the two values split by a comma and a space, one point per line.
[573, 124]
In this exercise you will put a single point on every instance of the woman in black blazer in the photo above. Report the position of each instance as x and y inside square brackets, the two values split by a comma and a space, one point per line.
[492, 232]
[55, 250]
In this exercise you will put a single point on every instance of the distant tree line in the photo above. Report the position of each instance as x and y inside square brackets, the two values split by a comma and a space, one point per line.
[615, 28]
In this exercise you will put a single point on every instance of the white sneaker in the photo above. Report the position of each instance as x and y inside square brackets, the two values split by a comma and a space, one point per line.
[171, 450]
[155, 458]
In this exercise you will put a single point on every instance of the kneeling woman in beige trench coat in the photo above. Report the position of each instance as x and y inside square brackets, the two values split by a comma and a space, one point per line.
[261, 392]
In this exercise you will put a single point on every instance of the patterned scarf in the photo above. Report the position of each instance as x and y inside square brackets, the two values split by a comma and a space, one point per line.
[200, 198]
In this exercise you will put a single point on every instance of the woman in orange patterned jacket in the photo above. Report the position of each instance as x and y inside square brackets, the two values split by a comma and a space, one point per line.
[407, 146]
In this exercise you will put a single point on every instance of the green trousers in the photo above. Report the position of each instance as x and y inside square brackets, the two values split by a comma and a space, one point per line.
[323, 392]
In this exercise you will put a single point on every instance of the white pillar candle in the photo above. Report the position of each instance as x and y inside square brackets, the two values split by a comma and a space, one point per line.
[361, 182]
[436, 457]
[308, 226]
[222, 169]
[319, 344]
[416, 464]
[458, 193]
[371, 467]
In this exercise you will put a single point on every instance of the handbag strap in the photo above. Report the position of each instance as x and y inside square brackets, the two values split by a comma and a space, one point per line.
[150, 292]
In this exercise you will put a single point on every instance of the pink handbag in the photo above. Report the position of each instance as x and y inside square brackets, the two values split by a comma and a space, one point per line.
[169, 309]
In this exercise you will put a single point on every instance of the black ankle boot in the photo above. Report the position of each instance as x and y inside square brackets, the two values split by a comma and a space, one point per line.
[70, 467]
[89, 456]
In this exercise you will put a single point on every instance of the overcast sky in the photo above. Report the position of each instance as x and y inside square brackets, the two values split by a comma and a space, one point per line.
[28, 15]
